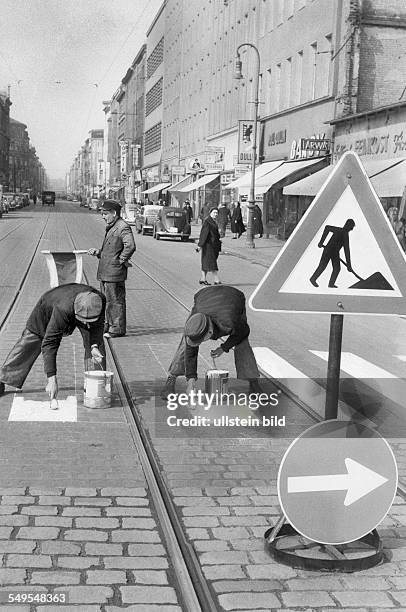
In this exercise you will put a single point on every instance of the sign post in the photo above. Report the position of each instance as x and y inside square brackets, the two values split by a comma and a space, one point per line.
[333, 366]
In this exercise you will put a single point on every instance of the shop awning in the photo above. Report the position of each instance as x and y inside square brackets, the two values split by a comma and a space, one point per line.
[283, 171]
[245, 180]
[204, 180]
[392, 182]
[156, 188]
[182, 183]
[311, 185]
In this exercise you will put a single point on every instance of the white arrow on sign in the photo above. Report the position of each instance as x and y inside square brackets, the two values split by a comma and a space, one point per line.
[358, 481]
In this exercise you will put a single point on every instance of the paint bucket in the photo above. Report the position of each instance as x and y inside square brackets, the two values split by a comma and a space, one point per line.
[216, 381]
[97, 392]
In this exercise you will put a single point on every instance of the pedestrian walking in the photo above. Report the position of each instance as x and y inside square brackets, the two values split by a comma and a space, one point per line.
[237, 225]
[257, 226]
[223, 218]
[331, 251]
[204, 212]
[114, 255]
[57, 313]
[217, 312]
[210, 245]
[400, 231]
[34, 198]
[188, 210]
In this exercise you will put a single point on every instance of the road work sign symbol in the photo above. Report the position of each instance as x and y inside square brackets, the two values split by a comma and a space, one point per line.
[337, 482]
[343, 257]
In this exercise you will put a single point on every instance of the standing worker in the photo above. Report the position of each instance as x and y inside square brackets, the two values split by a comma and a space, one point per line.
[217, 311]
[57, 313]
[114, 255]
[189, 212]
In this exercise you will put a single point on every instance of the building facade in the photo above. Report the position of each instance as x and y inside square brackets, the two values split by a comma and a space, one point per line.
[4, 139]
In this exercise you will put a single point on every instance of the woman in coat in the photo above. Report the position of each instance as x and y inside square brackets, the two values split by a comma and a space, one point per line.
[210, 245]
[237, 225]
[257, 227]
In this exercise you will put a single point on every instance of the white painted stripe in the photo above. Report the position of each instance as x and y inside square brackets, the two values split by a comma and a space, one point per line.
[274, 365]
[33, 410]
[357, 366]
[401, 357]
[306, 389]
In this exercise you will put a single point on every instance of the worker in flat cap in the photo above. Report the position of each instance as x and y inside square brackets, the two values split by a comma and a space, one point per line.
[114, 256]
[57, 313]
[217, 311]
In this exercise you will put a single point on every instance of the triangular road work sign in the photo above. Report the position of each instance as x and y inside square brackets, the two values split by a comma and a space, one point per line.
[343, 256]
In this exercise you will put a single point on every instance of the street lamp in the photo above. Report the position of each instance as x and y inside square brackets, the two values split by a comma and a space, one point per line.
[251, 201]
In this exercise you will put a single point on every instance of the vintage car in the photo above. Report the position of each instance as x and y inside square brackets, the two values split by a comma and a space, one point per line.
[172, 223]
[13, 201]
[145, 218]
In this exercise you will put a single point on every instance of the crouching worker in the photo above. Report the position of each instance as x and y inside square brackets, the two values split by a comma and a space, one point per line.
[57, 313]
[217, 311]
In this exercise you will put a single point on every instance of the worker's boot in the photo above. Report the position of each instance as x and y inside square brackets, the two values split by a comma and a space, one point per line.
[169, 387]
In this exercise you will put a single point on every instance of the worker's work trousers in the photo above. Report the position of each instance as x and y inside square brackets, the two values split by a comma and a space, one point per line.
[25, 352]
[244, 359]
[20, 359]
[115, 321]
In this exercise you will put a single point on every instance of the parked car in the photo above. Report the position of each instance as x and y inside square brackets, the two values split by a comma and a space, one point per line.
[145, 218]
[48, 198]
[12, 200]
[172, 222]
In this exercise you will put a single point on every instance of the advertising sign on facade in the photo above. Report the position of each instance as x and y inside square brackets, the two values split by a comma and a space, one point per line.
[380, 142]
[214, 159]
[305, 148]
[123, 156]
[245, 140]
[179, 170]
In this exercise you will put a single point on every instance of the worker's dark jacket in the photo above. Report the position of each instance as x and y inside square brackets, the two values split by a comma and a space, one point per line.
[226, 308]
[54, 316]
[117, 248]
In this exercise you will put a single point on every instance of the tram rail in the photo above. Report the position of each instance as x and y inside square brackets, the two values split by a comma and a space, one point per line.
[191, 582]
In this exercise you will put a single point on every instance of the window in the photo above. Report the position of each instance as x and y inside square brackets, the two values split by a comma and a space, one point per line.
[288, 83]
[313, 70]
[325, 66]
[153, 139]
[277, 88]
[298, 79]
[155, 59]
[153, 99]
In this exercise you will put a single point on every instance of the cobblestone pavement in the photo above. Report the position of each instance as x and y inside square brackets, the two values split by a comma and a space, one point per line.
[75, 512]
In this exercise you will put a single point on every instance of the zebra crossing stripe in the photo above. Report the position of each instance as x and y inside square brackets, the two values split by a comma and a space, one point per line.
[357, 366]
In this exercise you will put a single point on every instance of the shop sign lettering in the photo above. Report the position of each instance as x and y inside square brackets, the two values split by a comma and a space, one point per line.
[299, 151]
[381, 144]
[277, 138]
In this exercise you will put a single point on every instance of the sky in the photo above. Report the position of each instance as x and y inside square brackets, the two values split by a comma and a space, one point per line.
[61, 59]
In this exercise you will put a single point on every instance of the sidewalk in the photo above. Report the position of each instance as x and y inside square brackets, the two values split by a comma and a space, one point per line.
[265, 251]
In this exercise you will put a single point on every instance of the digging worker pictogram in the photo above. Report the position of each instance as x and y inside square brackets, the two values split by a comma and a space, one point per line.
[331, 252]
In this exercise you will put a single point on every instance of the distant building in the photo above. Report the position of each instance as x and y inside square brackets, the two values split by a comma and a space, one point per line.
[4, 140]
